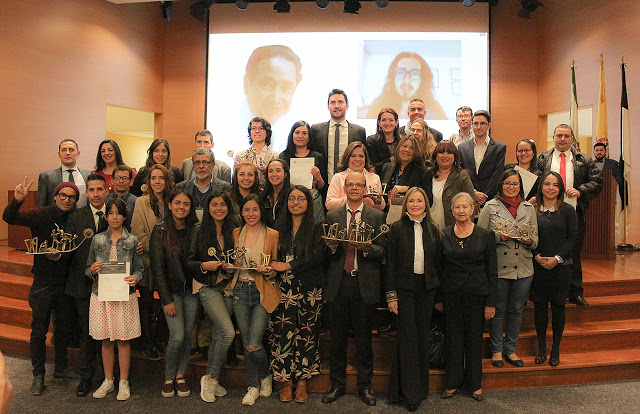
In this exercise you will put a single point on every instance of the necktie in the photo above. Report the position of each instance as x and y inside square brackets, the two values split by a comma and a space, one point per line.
[99, 215]
[70, 179]
[350, 259]
[563, 168]
[336, 149]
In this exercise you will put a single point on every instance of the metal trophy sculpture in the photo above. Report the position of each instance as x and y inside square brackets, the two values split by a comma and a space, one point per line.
[232, 255]
[517, 231]
[371, 190]
[61, 242]
[360, 233]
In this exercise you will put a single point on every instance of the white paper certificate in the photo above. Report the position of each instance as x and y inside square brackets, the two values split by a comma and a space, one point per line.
[111, 283]
[528, 179]
[300, 170]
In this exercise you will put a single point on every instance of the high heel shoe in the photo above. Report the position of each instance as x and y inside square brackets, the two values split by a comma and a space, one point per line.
[446, 395]
[478, 397]
[541, 356]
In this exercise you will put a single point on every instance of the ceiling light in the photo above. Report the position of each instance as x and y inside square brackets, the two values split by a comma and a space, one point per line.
[528, 7]
[468, 3]
[282, 6]
[382, 3]
[242, 4]
[323, 4]
[351, 6]
[199, 9]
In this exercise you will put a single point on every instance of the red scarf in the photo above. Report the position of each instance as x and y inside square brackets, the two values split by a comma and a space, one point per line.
[512, 204]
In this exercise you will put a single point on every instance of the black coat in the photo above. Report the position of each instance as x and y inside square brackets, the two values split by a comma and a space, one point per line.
[169, 273]
[379, 152]
[412, 176]
[401, 254]
[308, 268]
[491, 167]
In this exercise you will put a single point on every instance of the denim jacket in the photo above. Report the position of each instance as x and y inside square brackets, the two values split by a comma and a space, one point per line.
[126, 247]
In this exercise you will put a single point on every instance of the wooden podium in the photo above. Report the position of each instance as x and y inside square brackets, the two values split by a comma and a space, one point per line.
[600, 222]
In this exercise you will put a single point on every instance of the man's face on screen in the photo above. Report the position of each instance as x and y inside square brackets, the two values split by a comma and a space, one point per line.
[407, 77]
[269, 94]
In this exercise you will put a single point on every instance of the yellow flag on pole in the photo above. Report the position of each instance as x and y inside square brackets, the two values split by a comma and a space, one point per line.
[602, 128]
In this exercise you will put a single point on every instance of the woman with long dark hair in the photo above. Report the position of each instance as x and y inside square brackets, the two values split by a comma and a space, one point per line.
[382, 146]
[274, 195]
[159, 152]
[413, 264]
[298, 147]
[408, 170]
[505, 215]
[108, 158]
[150, 209]
[557, 234]
[255, 295]
[208, 268]
[294, 326]
[169, 249]
[244, 182]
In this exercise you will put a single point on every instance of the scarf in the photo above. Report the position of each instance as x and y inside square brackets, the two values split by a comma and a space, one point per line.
[512, 204]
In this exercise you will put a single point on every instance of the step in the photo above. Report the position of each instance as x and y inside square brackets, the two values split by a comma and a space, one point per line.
[13, 286]
[15, 312]
[610, 287]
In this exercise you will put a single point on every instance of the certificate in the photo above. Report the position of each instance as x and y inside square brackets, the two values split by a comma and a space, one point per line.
[111, 283]
[300, 170]
[528, 179]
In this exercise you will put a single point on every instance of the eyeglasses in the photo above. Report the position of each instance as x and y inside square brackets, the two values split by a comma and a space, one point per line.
[402, 72]
[64, 196]
[415, 129]
[524, 151]
[257, 128]
[514, 185]
[463, 116]
[196, 163]
[351, 185]
[299, 199]
[480, 124]
[123, 178]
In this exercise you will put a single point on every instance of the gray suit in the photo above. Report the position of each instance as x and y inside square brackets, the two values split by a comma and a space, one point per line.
[221, 170]
[49, 180]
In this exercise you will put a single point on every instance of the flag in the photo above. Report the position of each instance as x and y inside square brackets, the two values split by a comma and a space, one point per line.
[573, 111]
[625, 145]
[601, 126]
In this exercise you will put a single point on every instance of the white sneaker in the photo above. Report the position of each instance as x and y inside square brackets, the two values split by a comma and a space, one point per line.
[105, 388]
[207, 388]
[265, 386]
[220, 390]
[123, 390]
[251, 396]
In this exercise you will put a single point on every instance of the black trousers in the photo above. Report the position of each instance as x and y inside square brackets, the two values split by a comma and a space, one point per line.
[44, 301]
[349, 306]
[575, 289]
[88, 345]
[409, 381]
[464, 316]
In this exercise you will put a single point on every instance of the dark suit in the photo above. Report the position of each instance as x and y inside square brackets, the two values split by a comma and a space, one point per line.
[413, 176]
[49, 180]
[216, 185]
[437, 135]
[491, 167]
[79, 285]
[587, 180]
[351, 299]
[320, 137]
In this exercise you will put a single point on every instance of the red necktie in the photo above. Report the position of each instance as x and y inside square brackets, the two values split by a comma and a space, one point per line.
[563, 168]
[350, 259]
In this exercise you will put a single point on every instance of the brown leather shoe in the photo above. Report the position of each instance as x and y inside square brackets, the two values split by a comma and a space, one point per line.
[301, 392]
[286, 393]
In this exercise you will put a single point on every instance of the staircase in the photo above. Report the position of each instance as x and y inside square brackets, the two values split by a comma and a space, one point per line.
[600, 343]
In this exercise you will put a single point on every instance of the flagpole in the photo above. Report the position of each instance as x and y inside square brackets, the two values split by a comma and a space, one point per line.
[624, 246]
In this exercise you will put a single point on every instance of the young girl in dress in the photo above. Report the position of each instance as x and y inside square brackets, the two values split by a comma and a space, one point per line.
[111, 321]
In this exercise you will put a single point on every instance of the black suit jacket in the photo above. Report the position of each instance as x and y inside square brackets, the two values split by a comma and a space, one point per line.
[413, 176]
[586, 176]
[491, 167]
[320, 137]
[369, 266]
[49, 180]
[79, 285]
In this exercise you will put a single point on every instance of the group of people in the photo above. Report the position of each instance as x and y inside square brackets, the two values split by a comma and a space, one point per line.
[258, 253]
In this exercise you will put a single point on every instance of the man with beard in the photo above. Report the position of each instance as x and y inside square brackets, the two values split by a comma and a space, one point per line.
[605, 163]
[465, 133]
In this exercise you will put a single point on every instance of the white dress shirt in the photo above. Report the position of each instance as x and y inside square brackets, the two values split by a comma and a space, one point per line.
[358, 213]
[418, 255]
[96, 219]
[555, 166]
[480, 150]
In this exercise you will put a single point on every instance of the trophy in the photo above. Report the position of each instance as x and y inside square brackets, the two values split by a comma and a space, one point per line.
[360, 233]
[61, 242]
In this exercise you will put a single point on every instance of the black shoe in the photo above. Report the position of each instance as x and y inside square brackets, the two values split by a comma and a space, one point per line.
[446, 395]
[579, 300]
[367, 397]
[541, 356]
[478, 397]
[498, 363]
[333, 394]
[37, 386]
[515, 362]
[84, 388]
[151, 353]
[66, 373]
[554, 361]
[387, 328]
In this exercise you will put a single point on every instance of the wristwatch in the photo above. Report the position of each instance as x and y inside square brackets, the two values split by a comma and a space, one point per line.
[559, 259]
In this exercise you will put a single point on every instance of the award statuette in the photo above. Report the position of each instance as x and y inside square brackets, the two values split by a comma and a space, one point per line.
[61, 242]
[360, 233]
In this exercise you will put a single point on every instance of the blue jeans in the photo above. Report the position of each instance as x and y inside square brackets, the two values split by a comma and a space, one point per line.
[509, 302]
[180, 328]
[219, 309]
[252, 320]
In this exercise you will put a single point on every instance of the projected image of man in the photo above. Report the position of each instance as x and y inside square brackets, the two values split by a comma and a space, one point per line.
[272, 76]
[409, 76]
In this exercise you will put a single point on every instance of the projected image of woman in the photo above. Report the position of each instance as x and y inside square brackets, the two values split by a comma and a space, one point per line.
[409, 77]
